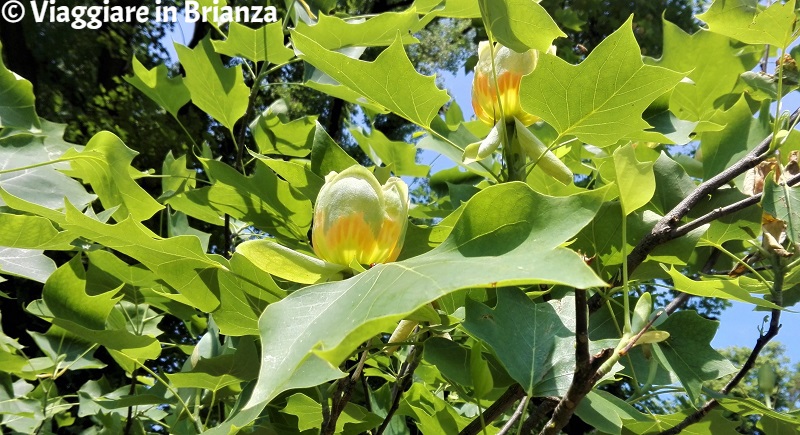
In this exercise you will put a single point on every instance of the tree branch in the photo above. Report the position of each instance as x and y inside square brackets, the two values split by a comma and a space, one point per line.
[514, 417]
[490, 414]
[586, 370]
[667, 228]
[403, 383]
[763, 339]
[664, 230]
[537, 418]
[342, 396]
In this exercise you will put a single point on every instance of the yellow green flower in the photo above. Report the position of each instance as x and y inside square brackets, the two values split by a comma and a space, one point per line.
[357, 219]
[510, 67]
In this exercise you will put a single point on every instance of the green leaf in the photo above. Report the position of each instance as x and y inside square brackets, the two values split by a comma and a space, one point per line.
[327, 155]
[66, 351]
[688, 352]
[729, 289]
[453, 361]
[244, 294]
[261, 199]
[538, 152]
[333, 33]
[216, 90]
[353, 420]
[635, 180]
[17, 109]
[764, 86]
[601, 100]
[220, 371]
[448, 8]
[451, 144]
[668, 129]
[45, 185]
[742, 225]
[431, 413]
[746, 406]
[400, 155]
[298, 174]
[783, 202]
[751, 23]
[179, 261]
[84, 316]
[713, 423]
[27, 263]
[673, 184]
[479, 372]
[520, 24]
[606, 412]
[105, 164]
[390, 81]
[713, 63]
[107, 271]
[178, 178]
[32, 232]
[293, 138]
[278, 260]
[257, 45]
[169, 93]
[538, 352]
[507, 235]
[720, 149]
[65, 296]
[178, 225]
[322, 82]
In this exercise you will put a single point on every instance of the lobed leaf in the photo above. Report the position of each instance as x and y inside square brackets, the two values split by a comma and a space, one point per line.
[601, 100]
[507, 235]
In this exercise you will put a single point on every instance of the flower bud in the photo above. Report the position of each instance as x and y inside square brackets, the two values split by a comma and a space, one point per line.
[357, 219]
[510, 67]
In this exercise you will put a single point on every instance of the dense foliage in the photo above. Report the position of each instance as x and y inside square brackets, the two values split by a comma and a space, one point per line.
[524, 303]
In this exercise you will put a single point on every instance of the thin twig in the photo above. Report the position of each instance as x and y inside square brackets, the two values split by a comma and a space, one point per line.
[664, 230]
[586, 370]
[342, 396]
[403, 383]
[537, 418]
[763, 339]
[724, 211]
[228, 243]
[490, 414]
[514, 417]
[131, 392]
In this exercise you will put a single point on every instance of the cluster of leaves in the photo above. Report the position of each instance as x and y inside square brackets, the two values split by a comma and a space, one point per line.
[528, 289]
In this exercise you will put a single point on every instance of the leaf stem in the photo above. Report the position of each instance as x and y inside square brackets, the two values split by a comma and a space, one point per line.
[625, 296]
[402, 384]
[174, 392]
[495, 410]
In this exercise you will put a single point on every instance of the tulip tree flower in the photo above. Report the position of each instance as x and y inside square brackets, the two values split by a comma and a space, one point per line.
[510, 66]
[357, 219]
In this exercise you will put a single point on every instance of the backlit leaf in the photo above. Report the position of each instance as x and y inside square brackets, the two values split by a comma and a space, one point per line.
[752, 23]
[601, 100]
[390, 81]
[217, 90]
[264, 43]
[520, 24]
[169, 93]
